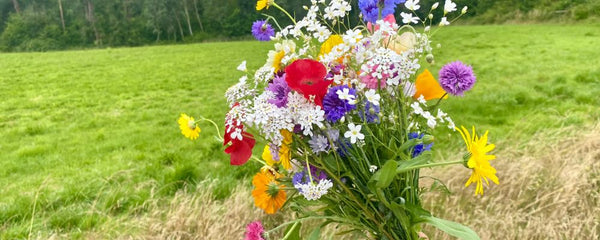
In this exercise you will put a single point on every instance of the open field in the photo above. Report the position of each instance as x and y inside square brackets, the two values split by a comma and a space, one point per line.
[90, 146]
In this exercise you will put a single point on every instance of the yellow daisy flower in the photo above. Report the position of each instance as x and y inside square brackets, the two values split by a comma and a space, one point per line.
[188, 127]
[479, 159]
[261, 4]
[275, 57]
[331, 42]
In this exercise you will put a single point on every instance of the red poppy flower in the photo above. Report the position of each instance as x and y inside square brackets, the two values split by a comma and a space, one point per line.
[239, 150]
[241, 142]
[307, 77]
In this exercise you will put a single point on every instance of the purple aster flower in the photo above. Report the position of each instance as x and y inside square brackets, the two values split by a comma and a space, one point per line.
[456, 78]
[334, 107]
[371, 113]
[319, 143]
[369, 10]
[262, 30]
[419, 148]
[281, 89]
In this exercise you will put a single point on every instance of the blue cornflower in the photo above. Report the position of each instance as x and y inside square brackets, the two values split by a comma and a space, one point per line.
[389, 6]
[369, 10]
[419, 148]
[334, 107]
[371, 113]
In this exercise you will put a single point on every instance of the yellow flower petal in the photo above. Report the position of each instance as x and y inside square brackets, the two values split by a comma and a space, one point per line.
[479, 159]
[331, 42]
[188, 127]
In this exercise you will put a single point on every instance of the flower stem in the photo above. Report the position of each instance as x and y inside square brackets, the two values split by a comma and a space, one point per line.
[439, 164]
[285, 12]
[216, 127]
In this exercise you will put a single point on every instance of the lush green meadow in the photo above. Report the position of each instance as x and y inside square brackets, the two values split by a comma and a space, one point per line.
[89, 138]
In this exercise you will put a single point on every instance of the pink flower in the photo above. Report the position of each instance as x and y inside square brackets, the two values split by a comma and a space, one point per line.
[254, 231]
[373, 82]
[389, 19]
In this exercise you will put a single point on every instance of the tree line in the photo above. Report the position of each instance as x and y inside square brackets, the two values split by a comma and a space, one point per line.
[41, 25]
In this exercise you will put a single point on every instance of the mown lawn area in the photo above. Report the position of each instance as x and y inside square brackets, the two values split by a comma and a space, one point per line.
[88, 137]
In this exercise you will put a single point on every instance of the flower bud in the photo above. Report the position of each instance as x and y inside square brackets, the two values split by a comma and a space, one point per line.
[464, 10]
[305, 7]
[430, 16]
[435, 6]
[428, 139]
[427, 29]
[430, 58]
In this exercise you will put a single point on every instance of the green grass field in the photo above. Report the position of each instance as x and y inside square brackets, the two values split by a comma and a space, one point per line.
[89, 138]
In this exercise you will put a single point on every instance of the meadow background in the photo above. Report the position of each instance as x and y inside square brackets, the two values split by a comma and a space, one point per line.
[90, 147]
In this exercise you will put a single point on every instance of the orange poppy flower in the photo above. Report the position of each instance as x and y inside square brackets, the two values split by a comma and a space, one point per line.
[427, 86]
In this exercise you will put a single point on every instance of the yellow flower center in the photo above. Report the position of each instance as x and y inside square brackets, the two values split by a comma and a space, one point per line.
[192, 124]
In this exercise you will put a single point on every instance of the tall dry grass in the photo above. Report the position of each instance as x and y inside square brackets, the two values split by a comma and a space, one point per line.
[549, 189]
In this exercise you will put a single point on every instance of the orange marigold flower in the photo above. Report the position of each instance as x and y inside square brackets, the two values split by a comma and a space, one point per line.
[268, 193]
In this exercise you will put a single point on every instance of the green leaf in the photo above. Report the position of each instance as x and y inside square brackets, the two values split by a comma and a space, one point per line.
[408, 144]
[405, 166]
[387, 174]
[293, 232]
[315, 234]
[452, 228]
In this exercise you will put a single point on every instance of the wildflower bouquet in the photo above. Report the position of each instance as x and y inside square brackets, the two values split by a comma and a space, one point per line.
[347, 116]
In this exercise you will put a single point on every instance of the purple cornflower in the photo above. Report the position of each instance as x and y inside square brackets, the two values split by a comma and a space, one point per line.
[369, 10]
[262, 31]
[456, 78]
[419, 148]
[334, 107]
[319, 143]
[371, 113]
[281, 89]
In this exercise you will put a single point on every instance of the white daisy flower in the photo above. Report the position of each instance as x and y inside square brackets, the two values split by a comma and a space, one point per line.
[444, 22]
[449, 6]
[354, 133]
[412, 5]
[408, 18]
[373, 97]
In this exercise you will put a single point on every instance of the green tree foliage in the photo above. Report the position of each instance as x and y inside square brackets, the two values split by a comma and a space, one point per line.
[38, 25]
